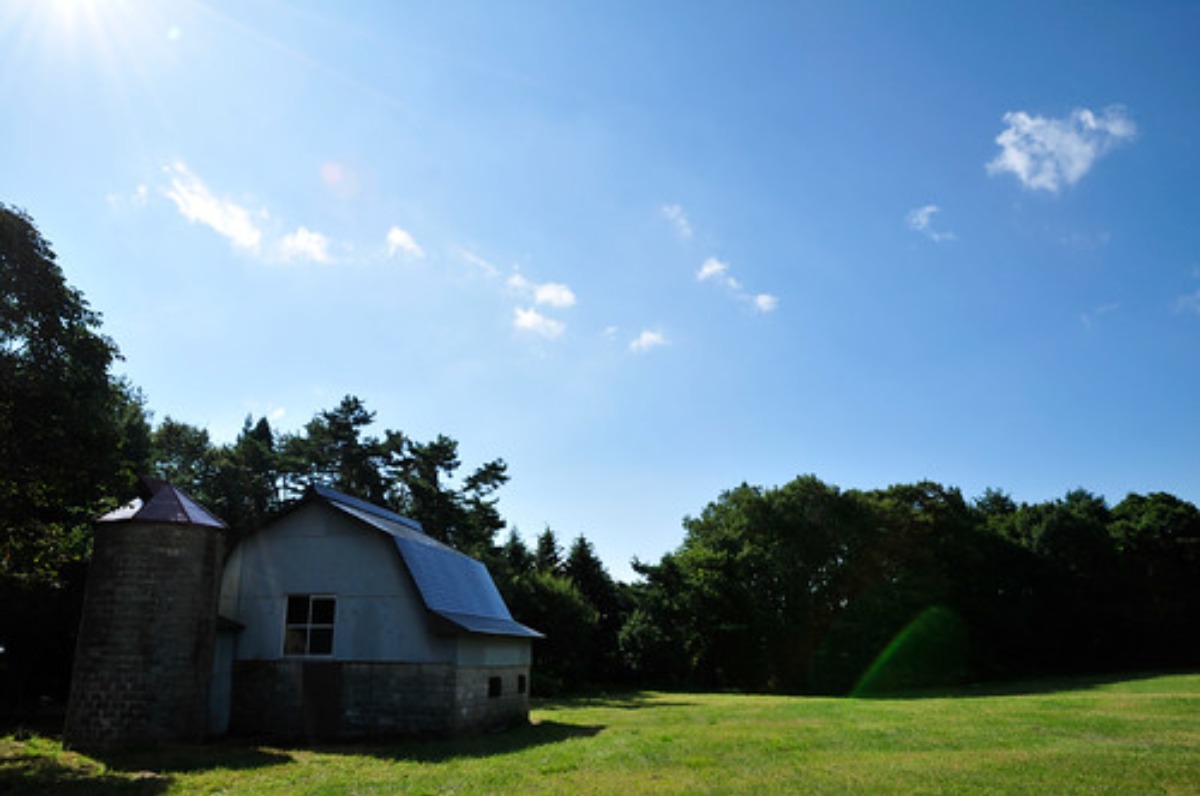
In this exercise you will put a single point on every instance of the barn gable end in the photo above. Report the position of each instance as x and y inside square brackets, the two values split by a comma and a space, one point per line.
[354, 622]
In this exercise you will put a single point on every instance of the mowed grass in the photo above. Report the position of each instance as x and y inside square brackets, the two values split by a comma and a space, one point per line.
[1083, 736]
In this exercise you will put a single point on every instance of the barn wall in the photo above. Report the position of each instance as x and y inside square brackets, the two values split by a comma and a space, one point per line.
[477, 704]
[494, 651]
[317, 550]
[313, 700]
[392, 670]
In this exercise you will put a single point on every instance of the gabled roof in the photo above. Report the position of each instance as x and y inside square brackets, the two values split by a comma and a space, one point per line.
[452, 585]
[160, 502]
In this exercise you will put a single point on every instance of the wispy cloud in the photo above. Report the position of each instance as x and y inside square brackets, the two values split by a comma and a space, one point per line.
[198, 204]
[530, 320]
[1093, 316]
[647, 340]
[304, 244]
[921, 220]
[1189, 303]
[679, 219]
[400, 241]
[474, 259]
[140, 197]
[714, 270]
[1046, 154]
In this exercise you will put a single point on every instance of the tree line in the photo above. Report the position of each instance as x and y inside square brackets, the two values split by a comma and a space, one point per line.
[807, 588]
[801, 588]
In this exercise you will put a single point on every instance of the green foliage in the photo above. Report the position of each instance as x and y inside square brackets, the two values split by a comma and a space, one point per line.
[547, 555]
[552, 604]
[804, 587]
[67, 425]
[930, 651]
[72, 439]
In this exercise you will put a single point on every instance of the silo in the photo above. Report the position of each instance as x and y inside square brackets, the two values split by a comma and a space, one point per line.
[143, 661]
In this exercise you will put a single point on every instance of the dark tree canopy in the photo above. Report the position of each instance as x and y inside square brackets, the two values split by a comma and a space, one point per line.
[71, 435]
[806, 587]
[72, 439]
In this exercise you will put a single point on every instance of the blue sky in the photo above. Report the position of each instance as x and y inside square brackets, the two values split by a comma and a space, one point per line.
[642, 251]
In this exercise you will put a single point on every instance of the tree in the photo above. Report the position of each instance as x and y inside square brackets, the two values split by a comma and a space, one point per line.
[547, 554]
[67, 425]
[247, 477]
[586, 572]
[72, 440]
[333, 451]
[1158, 536]
[184, 455]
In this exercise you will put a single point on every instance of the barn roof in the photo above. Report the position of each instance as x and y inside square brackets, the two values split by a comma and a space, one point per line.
[454, 586]
[161, 502]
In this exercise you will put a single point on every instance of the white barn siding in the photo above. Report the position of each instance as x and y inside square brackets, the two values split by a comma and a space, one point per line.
[315, 550]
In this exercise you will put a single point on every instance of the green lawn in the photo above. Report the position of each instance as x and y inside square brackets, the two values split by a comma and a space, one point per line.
[1129, 736]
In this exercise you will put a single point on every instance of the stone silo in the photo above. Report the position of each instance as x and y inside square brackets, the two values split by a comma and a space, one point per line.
[144, 658]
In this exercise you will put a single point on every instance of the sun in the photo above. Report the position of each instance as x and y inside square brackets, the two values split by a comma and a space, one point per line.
[80, 29]
[111, 46]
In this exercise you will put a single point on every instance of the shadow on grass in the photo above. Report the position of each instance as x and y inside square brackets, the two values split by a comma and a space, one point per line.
[632, 700]
[437, 750]
[39, 765]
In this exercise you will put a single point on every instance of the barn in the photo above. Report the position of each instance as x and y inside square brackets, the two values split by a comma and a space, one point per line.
[340, 619]
[337, 619]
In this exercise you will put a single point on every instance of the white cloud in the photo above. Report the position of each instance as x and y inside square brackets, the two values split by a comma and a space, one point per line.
[765, 302]
[530, 320]
[197, 203]
[921, 220]
[553, 294]
[711, 269]
[477, 261]
[675, 214]
[715, 270]
[305, 244]
[1046, 154]
[398, 240]
[647, 340]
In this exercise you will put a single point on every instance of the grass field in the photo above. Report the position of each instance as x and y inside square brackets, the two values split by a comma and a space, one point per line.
[1081, 736]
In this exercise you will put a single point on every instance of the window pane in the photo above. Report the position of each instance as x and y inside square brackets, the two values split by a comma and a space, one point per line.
[297, 609]
[320, 641]
[323, 610]
[294, 641]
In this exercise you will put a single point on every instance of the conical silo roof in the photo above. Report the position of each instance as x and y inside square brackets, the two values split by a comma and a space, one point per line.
[161, 502]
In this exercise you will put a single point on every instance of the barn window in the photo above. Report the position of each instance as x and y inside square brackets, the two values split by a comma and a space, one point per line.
[309, 626]
[521, 686]
[494, 687]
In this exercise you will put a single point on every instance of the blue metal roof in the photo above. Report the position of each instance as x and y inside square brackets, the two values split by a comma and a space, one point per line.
[453, 586]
